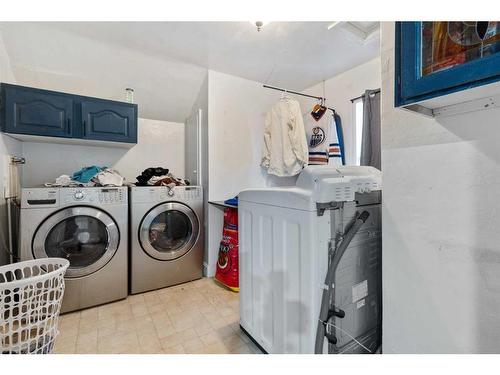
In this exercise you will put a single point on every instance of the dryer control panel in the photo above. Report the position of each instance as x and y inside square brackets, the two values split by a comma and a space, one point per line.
[181, 193]
[150, 194]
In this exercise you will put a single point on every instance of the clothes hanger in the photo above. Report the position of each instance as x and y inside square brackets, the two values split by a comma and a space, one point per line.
[319, 109]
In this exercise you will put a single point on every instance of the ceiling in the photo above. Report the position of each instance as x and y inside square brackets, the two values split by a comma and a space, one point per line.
[166, 62]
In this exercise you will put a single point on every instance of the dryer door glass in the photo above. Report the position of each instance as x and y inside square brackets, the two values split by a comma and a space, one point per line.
[169, 231]
[86, 236]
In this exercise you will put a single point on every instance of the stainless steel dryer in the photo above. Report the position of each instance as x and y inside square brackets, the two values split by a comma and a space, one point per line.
[166, 240]
[87, 226]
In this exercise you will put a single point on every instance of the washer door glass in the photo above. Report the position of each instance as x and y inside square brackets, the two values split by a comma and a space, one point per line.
[169, 231]
[80, 239]
[85, 236]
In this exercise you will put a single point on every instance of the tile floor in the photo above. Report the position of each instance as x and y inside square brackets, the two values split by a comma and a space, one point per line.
[198, 317]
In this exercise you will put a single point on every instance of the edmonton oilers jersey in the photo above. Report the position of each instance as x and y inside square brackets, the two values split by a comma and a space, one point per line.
[318, 138]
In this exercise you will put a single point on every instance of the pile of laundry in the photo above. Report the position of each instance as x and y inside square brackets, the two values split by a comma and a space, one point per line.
[159, 176]
[90, 176]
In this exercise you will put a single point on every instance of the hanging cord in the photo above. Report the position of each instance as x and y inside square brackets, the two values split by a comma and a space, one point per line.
[281, 50]
[348, 334]
[270, 73]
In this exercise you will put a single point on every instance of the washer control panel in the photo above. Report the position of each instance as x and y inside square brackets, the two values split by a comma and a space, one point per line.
[79, 195]
[111, 195]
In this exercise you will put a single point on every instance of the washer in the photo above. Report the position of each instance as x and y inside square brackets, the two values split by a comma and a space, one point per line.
[87, 226]
[167, 237]
[288, 236]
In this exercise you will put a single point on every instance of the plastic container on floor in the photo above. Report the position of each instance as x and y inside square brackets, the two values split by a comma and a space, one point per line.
[227, 264]
[31, 294]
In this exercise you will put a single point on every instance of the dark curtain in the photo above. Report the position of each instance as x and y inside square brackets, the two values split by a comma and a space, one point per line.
[370, 141]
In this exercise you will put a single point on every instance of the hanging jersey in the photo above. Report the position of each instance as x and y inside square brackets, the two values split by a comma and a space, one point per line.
[340, 135]
[318, 135]
[334, 149]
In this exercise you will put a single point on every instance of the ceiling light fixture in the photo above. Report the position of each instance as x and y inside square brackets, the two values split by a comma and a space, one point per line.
[259, 24]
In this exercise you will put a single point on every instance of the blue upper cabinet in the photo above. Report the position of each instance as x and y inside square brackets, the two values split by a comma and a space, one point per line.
[439, 58]
[107, 120]
[36, 112]
[28, 111]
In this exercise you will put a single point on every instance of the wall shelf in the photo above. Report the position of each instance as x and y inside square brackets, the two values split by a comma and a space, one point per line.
[221, 204]
[69, 141]
[471, 100]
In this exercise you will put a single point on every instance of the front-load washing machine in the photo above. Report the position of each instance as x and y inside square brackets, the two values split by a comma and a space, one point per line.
[167, 240]
[87, 226]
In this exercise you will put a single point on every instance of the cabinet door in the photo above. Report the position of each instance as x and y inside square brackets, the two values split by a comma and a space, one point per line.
[440, 57]
[37, 112]
[109, 121]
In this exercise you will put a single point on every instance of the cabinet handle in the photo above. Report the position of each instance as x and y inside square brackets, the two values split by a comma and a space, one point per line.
[68, 126]
[84, 129]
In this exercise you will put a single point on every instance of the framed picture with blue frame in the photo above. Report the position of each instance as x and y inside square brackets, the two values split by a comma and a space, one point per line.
[437, 58]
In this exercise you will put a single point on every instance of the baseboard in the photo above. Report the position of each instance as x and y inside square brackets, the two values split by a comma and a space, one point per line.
[209, 270]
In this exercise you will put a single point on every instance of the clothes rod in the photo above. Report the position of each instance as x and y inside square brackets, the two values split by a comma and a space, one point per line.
[361, 96]
[297, 93]
[293, 92]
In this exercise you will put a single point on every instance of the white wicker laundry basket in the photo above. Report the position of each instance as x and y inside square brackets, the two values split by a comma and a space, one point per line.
[31, 293]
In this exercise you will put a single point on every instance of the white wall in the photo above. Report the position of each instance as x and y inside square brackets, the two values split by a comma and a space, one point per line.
[192, 147]
[441, 209]
[160, 143]
[339, 91]
[8, 146]
[236, 109]
[195, 139]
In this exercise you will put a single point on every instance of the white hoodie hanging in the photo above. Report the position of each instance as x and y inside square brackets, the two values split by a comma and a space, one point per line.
[285, 150]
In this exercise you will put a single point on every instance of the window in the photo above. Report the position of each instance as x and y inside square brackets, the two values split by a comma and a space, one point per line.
[358, 128]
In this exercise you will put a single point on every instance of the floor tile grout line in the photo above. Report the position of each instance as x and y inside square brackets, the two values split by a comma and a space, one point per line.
[189, 300]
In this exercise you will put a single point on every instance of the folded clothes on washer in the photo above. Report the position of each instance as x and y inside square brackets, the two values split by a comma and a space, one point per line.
[66, 181]
[62, 180]
[86, 177]
[86, 174]
[159, 177]
[109, 177]
[167, 180]
[148, 173]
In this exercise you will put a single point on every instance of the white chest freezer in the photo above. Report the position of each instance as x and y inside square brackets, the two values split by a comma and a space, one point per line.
[287, 235]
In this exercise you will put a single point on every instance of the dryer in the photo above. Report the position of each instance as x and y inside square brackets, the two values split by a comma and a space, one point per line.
[167, 237]
[87, 226]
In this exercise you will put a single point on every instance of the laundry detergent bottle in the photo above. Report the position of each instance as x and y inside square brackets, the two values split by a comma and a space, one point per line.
[227, 263]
